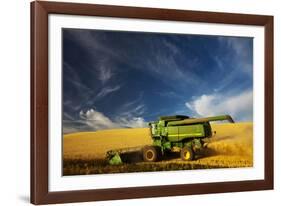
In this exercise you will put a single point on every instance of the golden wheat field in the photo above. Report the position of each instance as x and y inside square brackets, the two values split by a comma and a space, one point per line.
[84, 152]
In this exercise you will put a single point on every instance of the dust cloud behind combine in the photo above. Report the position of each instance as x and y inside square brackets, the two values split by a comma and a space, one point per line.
[232, 139]
[231, 146]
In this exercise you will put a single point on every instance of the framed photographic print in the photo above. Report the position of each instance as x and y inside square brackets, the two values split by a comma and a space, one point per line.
[131, 102]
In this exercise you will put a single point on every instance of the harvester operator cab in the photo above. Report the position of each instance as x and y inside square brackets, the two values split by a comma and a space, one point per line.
[153, 128]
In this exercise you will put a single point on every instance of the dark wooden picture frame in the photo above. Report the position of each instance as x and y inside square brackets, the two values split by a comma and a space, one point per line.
[39, 102]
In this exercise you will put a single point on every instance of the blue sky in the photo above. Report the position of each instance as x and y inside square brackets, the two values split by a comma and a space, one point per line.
[117, 79]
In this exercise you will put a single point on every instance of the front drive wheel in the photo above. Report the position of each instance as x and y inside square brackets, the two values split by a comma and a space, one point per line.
[187, 154]
[150, 154]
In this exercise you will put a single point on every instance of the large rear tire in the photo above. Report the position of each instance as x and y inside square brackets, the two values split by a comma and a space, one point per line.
[150, 153]
[187, 154]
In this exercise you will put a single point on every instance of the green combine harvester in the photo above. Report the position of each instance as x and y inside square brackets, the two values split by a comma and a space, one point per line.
[176, 133]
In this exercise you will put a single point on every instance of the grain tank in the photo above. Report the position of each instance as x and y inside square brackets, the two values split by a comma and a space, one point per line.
[179, 133]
